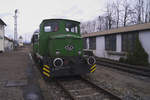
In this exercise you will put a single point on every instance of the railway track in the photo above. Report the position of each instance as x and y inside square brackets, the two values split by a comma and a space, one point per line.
[138, 70]
[82, 89]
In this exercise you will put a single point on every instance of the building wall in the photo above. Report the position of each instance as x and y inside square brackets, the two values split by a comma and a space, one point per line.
[100, 46]
[87, 43]
[119, 43]
[20, 40]
[100, 51]
[8, 45]
[144, 37]
[115, 55]
[1, 38]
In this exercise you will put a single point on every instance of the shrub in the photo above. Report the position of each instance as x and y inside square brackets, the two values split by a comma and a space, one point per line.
[122, 60]
[138, 56]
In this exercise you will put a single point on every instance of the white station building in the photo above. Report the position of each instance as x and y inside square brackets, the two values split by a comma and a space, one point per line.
[115, 43]
[20, 41]
[8, 44]
[2, 33]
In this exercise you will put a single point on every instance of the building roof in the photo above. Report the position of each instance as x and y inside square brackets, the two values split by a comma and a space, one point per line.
[137, 27]
[8, 39]
[2, 22]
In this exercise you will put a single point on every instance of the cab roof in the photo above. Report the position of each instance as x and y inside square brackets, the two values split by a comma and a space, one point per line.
[45, 20]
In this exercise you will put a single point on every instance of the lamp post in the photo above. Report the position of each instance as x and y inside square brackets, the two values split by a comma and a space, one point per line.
[15, 28]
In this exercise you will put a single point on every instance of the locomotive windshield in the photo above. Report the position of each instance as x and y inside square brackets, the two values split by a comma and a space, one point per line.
[71, 27]
[51, 27]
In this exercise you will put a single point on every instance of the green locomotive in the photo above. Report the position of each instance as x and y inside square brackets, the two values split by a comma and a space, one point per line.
[58, 47]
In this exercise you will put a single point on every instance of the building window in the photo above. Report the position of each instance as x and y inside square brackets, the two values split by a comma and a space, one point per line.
[85, 43]
[92, 43]
[110, 42]
[128, 41]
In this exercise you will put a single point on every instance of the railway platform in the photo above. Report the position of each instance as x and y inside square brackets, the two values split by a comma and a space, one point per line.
[15, 76]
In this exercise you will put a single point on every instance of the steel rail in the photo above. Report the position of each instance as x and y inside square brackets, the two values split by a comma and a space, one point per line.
[93, 86]
[101, 89]
[138, 71]
[65, 90]
[144, 68]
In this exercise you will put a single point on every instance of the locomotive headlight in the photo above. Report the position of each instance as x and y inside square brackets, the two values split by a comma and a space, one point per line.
[91, 60]
[58, 62]
[57, 52]
[79, 52]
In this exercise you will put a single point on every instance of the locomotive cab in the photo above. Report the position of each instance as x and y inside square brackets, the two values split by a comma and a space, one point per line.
[60, 48]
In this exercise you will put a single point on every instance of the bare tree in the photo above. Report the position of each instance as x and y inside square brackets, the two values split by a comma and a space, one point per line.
[140, 11]
[126, 10]
[123, 12]
[101, 22]
[93, 26]
[109, 16]
[83, 27]
[88, 27]
[147, 12]
[117, 10]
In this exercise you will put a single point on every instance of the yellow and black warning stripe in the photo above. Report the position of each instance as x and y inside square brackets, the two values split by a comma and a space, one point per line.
[93, 68]
[46, 66]
[47, 74]
[46, 70]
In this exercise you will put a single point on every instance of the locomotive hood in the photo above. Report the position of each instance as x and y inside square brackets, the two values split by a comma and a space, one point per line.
[66, 45]
[60, 36]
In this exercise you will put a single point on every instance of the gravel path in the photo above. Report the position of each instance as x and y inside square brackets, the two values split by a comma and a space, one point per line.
[128, 86]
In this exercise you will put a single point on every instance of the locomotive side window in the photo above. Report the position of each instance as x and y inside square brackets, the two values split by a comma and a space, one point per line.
[35, 38]
[51, 27]
[71, 27]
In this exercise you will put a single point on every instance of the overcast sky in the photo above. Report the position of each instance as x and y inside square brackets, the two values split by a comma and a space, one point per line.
[32, 12]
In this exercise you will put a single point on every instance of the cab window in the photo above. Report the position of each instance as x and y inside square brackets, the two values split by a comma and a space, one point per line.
[51, 27]
[71, 27]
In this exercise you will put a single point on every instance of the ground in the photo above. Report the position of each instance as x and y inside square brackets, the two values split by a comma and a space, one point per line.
[17, 76]
[127, 85]
[13, 76]
[20, 79]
